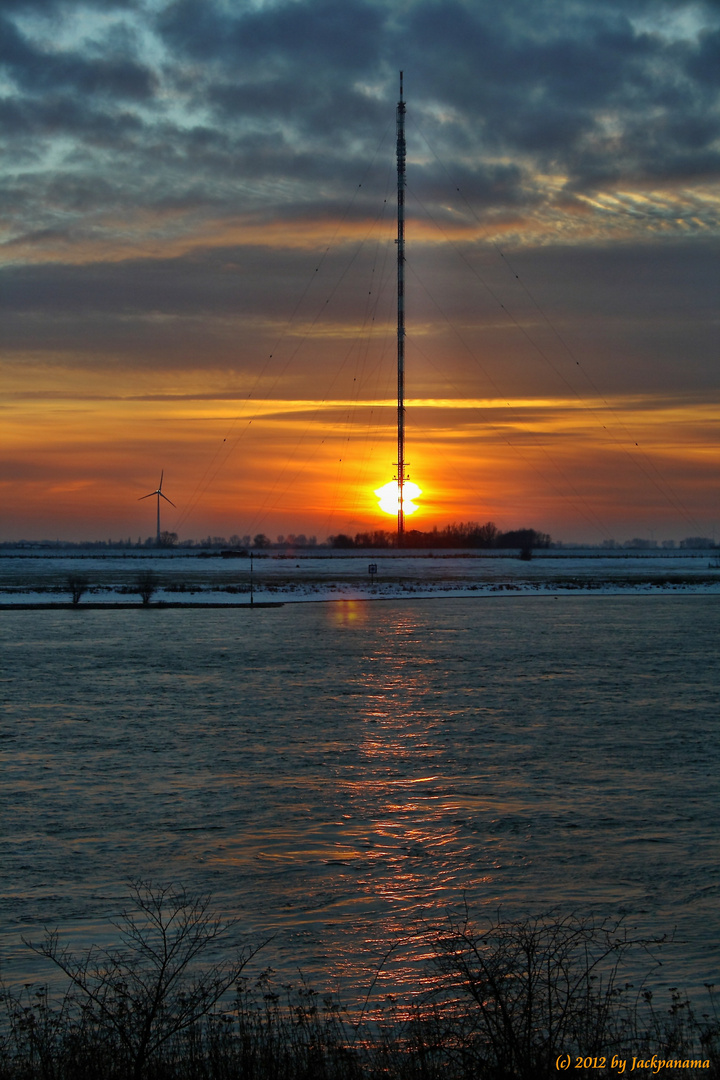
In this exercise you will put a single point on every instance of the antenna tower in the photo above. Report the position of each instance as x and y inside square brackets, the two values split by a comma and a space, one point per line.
[401, 477]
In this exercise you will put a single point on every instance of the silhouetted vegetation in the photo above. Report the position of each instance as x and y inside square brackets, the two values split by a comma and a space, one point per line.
[535, 990]
[143, 994]
[505, 1003]
[147, 583]
[77, 584]
[524, 539]
[344, 541]
[463, 535]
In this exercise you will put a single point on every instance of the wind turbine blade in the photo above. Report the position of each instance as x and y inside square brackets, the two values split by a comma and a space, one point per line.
[166, 498]
[147, 496]
[162, 473]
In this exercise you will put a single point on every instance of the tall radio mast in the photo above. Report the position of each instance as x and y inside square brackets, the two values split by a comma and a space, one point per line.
[401, 478]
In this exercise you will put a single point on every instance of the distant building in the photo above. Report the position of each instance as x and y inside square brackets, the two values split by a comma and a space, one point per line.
[640, 544]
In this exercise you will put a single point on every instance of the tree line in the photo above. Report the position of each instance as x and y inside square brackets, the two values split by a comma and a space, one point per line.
[457, 535]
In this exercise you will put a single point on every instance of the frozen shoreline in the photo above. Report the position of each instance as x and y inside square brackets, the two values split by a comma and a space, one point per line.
[279, 596]
[182, 580]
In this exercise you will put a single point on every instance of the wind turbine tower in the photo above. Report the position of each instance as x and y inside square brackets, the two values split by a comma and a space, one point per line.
[159, 493]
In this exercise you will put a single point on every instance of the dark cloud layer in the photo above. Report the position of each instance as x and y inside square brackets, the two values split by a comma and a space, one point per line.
[38, 71]
[143, 142]
[326, 35]
[602, 320]
[598, 92]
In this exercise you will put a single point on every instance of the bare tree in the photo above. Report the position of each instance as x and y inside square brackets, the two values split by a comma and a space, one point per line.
[77, 584]
[149, 989]
[147, 584]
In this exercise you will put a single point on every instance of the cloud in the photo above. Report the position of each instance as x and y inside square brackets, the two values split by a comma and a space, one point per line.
[278, 110]
[590, 321]
[587, 95]
[38, 70]
[328, 35]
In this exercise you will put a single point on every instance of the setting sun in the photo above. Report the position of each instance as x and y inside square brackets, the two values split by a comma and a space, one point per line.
[390, 498]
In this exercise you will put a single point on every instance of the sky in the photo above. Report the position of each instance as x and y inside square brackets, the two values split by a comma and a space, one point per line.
[197, 265]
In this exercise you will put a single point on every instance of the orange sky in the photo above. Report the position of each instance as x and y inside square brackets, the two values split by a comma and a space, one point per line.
[312, 466]
[518, 411]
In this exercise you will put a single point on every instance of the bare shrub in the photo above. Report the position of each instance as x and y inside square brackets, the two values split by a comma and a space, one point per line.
[539, 988]
[138, 997]
[501, 1003]
[77, 584]
[147, 583]
[679, 1031]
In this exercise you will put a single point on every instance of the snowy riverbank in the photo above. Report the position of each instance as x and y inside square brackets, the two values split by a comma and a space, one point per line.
[41, 577]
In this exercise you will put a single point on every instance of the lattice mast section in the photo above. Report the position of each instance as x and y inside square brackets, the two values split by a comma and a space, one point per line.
[401, 477]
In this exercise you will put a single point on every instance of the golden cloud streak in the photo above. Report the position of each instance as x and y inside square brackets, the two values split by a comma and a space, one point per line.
[171, 233]
[457, 434]
[221, 406]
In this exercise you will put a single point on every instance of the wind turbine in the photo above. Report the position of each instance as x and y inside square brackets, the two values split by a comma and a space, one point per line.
[160, 496]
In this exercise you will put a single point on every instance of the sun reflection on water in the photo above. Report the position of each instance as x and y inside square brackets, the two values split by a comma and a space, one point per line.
[415, 858]
[348, 612]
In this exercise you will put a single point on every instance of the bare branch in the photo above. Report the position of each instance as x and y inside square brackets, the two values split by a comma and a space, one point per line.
[150, 989]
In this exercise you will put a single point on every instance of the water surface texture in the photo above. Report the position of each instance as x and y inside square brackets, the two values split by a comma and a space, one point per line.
[336, 774]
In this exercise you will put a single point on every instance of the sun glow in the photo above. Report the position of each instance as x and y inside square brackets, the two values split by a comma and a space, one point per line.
[389, 497]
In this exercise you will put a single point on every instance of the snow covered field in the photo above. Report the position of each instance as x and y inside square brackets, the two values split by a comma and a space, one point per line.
[41, 576]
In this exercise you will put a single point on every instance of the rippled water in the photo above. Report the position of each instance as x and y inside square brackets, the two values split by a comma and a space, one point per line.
[336, 773]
